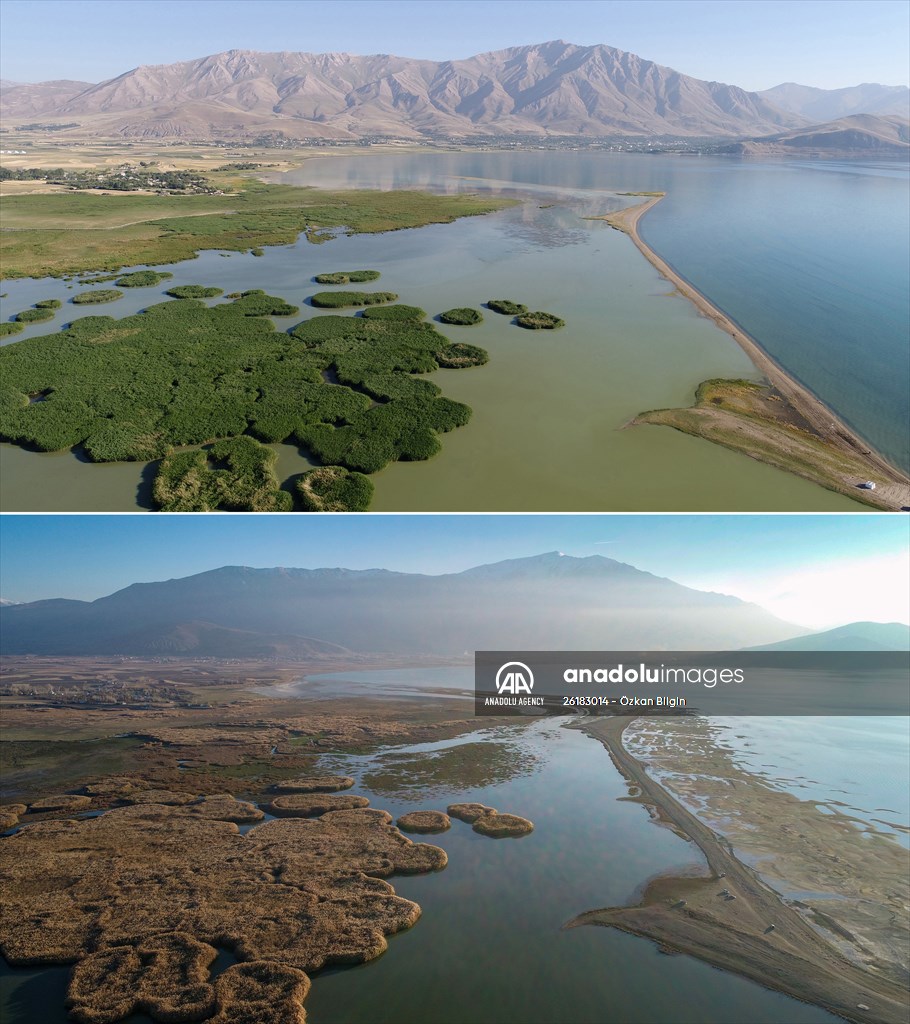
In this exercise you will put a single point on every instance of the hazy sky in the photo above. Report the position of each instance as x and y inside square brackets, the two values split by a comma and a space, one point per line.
[816, 570]
[752, 43]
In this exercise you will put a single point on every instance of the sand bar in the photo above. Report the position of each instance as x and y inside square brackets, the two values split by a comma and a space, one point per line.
[894, 492]
[730, 918]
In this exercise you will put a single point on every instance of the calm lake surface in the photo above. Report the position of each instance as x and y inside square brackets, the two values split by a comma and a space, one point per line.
[546, 434]
[489, 946]
[811, 257]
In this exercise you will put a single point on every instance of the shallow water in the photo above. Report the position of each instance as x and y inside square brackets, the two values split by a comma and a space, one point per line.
[549, 407]
[857, 766]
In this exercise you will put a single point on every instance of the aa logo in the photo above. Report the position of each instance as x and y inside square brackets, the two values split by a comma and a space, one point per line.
[514, 677]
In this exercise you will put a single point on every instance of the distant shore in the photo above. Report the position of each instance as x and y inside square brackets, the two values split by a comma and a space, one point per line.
[893, 486]
[730, 918]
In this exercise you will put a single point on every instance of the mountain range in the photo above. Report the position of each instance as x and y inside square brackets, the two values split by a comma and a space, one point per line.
[831, 104]
[554, 88]
[549, 602]
[859, 134]
[855, 636]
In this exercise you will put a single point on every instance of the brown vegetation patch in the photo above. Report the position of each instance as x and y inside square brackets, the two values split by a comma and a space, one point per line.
[165, 976]
[158, 796]
[60, 802]
[109, 787]
[310, 805]
[470, 812]
[225, 807]
[260, 993]
[295, 892]
[219, 807]
[501, 826]
[363, 839]
[424, 821]
[8, 819]
[315, 784]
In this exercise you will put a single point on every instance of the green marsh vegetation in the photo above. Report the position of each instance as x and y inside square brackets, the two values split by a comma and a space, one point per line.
[403, 414]
[67, 233]
[334, 489]
[182, 373]
[506, 306]
[458, 354]
[98, 278]
[539, 321]
[339, 300]
[48, 304]
[142, 279]
[35, 315]
[396, 312]
[255, 302]
[101, 295]
[463, 317]
[348, 277]
[234, 475]
[195, 291]
[9, 328]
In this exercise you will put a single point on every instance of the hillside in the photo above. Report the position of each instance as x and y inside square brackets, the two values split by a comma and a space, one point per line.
[549, 88]
[858, 135]
[855, 636]
[830, 104]
[546, 602]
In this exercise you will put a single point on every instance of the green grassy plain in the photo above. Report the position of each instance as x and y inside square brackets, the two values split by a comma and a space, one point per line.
[109, 232]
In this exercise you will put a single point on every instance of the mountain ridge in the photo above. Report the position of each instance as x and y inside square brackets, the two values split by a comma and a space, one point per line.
[549, 601]
[852, 636]
[553, 87]
[831, 104]
[855, 135]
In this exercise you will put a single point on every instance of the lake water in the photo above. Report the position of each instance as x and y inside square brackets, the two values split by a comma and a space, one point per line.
[811, 257]
[546, 434]
[489, 946]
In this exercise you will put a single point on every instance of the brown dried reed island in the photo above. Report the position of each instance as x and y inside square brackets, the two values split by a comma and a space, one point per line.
[9, 815]
[315, 784]
[310, 805]
[424, 821]
[487, 821]
[141, 897]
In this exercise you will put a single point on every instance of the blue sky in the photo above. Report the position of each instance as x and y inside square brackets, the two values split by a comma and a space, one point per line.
[816, 570]
[752, 43]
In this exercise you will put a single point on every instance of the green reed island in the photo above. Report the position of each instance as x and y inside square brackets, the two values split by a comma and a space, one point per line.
[97, 297]
[142, 279]
[462, 317]
[342, 387]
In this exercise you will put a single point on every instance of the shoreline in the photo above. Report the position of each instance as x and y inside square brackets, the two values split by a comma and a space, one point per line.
[822, 420]
[758, 936]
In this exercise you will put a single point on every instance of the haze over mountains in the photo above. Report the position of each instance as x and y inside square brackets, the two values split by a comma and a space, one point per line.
[549, 88]
[820, 105]
[855, 636]
[546, 602]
